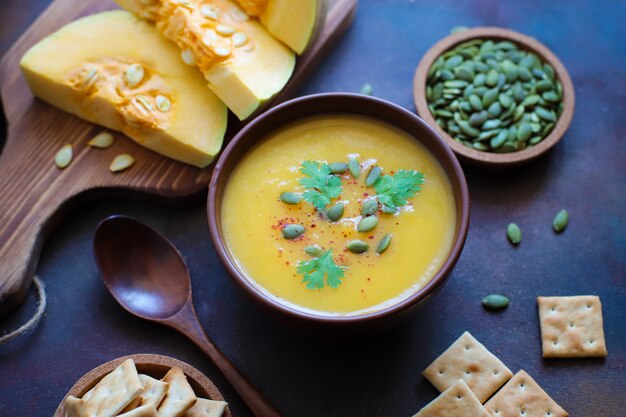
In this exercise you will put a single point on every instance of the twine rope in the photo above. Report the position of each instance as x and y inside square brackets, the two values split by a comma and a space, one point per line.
[34, 320]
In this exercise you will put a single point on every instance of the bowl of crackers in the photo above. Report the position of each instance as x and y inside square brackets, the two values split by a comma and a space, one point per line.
[144, 385]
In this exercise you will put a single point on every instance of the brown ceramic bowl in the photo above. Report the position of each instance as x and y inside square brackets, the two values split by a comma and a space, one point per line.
[328, 104]
[154, 365]
[490, 159]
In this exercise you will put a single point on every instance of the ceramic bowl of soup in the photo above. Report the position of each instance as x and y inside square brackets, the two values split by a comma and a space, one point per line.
[338, 212]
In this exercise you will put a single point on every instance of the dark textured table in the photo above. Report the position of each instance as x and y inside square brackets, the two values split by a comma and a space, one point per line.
[585, 173]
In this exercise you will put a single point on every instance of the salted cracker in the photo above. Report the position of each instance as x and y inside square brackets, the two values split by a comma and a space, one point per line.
[207, 408]
[179, 397]
[571, 327]
[110, 396]
[153, 393]
[469, 360]
[522, 396]
[148, 410]
[456, 401]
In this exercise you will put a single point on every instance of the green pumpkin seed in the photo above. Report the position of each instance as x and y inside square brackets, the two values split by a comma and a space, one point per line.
[366, 89]
[545, 114]
[505, 100]
[289, 197]
[314, 250]
[491, 124]
[373, 176]
[357, 246]
[524, 131]
[437, 91]
[453, 61]
[514, 233]
[499, 140]
[492, 78]
[495, 109]
[490, 96]
[469, 130]
[121, 162]
[338, 167]
[455, 84]
[560, 221]
[354, 167]
[64, 156]
[480, 146]
[446, 75]
[543, 85]
[477, 119]
[530, 101]
[389, 210]
[292, 231]
[475, 102]
[480, 79]
[384, 244]
[367, 224]
[369, 207]
[101, 140]
[495, 302]
[335, 212]
[535, 140]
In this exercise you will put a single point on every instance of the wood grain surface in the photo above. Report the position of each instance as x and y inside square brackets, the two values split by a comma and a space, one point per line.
[35, 194]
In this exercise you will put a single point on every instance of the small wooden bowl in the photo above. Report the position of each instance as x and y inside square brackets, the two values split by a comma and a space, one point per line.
[154, 365]
[490, 159]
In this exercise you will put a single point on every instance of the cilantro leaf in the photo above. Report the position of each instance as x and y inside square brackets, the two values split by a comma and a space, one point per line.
[394, 190]
[321, 185]
[316, 269]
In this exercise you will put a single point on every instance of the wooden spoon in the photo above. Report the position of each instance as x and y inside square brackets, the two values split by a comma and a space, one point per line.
[146, 274]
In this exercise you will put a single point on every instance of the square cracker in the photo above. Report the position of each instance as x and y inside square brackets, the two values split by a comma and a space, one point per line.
[153, 393]
[179, 397]
[207, 408]
[523, 396]
[148, 410]
[571, 327]
[456, 401]
[469, 360]
[110, 396]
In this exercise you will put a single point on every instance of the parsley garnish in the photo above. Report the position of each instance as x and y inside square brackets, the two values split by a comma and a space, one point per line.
[394, 190]
[321, 185]
[316, 269]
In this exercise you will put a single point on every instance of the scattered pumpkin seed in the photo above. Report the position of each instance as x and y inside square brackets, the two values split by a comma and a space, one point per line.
[357, 246]
[335, 212]
[239, 39]
[289, 197]
[354, 167]
[121, 163]
[366, 89]
[495, 302]
[367, 224]
[369, 207]
[134, 74]
[373, 176]
[292, 231]
[338, 167]
[389, 210]
[225, 30]
[514, 233]
[102, 140]
[384, 244]
[163, 103]
[314, 250]
[188, 57]
[560, 221]
[209, 12]
[64, 156]
[222, 51]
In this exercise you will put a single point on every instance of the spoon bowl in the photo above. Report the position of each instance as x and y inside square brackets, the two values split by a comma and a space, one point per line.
[147, 276]
[143, 271]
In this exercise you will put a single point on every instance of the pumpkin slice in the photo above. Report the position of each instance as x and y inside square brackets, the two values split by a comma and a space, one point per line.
[117, 71]
[244, 65]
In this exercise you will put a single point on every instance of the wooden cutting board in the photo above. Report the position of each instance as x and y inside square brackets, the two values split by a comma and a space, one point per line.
[34, 194]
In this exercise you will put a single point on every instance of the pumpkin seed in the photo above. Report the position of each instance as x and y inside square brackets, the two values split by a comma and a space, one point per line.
[514, 233]
[188, 57]
[289, 197]
[225, 30]
[475, 102]
[357, 246]
[134, 74]
[367, 224]
[354, 167]
[524, 131]
[389, 210]
[209, 12]
[545, 114]
[492, 78]
[314, 250]
[373, 176]
[366, 89]
[101, 140]
[121, 163]
[477, 119]
[64, 156]
[560, 221]
[292, 231]
[163, 103]
[369, 207]
[335, 212]
[239, 39]
[384, 244]
[499, 140]
[495, 302]
[338, 167]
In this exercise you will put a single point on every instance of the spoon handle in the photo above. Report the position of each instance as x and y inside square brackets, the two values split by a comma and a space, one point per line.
[186, 321]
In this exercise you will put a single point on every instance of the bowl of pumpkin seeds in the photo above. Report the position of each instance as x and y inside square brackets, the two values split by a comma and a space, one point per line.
[499, 98]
